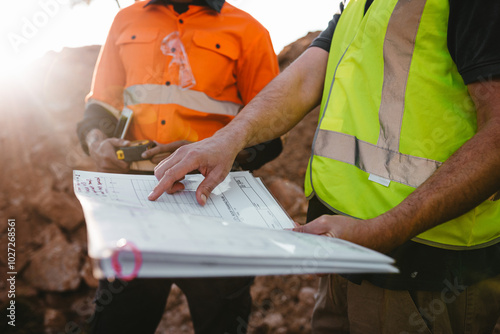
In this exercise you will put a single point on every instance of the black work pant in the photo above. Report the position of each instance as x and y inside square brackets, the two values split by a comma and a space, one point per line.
[217, 305]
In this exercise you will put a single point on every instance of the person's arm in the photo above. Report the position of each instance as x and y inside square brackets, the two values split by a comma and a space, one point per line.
[256, 67]
[96, 116]
[469, 177]
[274, 111]
[103, 107]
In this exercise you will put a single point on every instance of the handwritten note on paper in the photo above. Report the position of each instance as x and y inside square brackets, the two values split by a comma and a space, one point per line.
[240, 198]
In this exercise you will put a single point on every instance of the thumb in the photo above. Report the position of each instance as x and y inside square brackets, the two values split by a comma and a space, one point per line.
[206, 187]
[314, 227]
[203, 192]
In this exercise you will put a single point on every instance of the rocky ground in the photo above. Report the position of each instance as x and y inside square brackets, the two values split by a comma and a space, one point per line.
[54, 287]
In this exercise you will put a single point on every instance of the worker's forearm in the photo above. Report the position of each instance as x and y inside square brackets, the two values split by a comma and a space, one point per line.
[466, 179]
[283, 102]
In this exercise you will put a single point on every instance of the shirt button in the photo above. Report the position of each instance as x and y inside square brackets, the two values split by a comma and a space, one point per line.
[163, 122]
[167, 83]
[217, 46]
[133, 37]
[181, 21]
[414, 274]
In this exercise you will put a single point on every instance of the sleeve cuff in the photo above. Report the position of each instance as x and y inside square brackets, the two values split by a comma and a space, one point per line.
[95, 117]
[481, 73]
[261, 154]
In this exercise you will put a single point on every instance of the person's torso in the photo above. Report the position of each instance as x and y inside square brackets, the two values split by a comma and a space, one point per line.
[394, 108]
[180, 71]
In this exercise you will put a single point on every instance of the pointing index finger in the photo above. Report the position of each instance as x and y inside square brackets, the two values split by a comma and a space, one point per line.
[169, 172]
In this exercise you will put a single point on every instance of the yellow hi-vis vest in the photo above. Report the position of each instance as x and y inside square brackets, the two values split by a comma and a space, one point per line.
[394, 108]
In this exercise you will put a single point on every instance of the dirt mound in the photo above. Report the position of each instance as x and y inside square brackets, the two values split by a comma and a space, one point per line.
[54, 288]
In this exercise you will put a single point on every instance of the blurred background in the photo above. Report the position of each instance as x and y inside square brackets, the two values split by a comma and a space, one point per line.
[48, 49]
[30, 28]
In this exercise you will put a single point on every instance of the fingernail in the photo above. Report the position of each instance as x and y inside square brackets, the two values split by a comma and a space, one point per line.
[203, 199]
[150, 194]
[144, 155]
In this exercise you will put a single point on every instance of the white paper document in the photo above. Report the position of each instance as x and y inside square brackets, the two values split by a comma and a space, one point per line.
[240, 198]
[238, 232]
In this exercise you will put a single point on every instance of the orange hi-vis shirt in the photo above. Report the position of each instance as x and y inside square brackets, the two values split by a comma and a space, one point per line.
[230, 55]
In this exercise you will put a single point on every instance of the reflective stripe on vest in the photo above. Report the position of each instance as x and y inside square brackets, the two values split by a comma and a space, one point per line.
[374, 159]
[191, 99]
[384, 159]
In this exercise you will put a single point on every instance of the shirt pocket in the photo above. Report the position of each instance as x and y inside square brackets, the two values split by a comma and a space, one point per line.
[139, 51]
[213, 58]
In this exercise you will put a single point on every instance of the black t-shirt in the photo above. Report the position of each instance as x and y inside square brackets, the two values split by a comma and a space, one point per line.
[473, 37]
[473, 30]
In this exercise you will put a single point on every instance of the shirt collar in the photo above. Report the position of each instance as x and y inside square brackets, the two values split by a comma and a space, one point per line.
[214, 4]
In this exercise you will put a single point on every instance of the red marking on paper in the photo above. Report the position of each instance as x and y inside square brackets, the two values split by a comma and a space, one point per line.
[115, 262]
